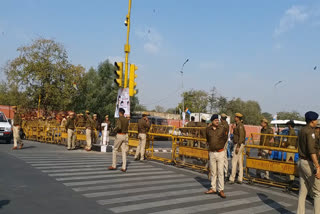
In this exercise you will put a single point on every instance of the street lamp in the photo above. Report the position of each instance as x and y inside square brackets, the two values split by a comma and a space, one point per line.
[183, 117]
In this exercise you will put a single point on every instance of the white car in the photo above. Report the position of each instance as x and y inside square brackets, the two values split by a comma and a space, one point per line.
[5, 128]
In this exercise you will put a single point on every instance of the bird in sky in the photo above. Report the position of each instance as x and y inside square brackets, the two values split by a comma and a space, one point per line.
[315, 68]
[279, 82]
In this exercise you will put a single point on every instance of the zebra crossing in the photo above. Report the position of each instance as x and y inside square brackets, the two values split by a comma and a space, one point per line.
[152, 188]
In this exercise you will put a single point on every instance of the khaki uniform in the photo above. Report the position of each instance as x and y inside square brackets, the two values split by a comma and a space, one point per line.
[291, 144]
[226, 163]
[17, 122]
[70, 127]
[89, 128]
[308, 181]
[80, 122]
[239, 137]
[202, 125]
[64, 123]
[190, 124]
[95, 134]
[264, 154]
[121, 140]
[215, 139]
[143, 128]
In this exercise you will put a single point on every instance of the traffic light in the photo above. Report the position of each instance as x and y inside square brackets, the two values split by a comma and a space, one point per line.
[132, 82]
[119, 73]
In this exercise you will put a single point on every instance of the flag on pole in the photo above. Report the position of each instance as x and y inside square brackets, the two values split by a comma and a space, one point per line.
[188, 111]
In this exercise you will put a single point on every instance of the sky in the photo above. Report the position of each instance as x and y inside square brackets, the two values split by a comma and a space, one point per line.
[242, 48]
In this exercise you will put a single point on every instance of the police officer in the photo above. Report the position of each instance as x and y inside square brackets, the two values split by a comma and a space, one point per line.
[106, 128]
[203, 124]
[121, 140]
[95, 134]
[215, 135]
[291, 144]
[265, 138]
[308, 164]
[143, 128]
[224, 123]
[70, 129]
[89, 128]
[191, 123]
[17, 122]
[63, 121]
[239, 137]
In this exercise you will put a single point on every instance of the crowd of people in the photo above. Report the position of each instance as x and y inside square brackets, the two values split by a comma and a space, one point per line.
[217, 134]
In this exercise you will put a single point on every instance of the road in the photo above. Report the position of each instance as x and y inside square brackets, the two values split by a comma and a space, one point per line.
[46, 178]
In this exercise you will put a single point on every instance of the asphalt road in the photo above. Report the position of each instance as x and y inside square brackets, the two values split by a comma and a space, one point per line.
[46, 178]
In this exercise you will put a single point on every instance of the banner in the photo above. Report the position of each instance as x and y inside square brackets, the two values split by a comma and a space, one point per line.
[123, 101]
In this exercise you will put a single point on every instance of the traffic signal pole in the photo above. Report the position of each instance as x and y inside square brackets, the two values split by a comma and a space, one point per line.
[127, 47]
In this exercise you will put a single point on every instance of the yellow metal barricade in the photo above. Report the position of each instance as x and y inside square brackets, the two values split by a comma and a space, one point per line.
[133, 140]
[159, 134]
[190, 148]
[280, 166]
[81, 137]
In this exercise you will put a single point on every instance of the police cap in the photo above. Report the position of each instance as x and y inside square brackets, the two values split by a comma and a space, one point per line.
[311, 115]
[214, 117]
[239, 115]
[224, 115]
[265, 120]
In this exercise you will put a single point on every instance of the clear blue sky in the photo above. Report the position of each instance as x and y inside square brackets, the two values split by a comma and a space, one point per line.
[241, 47]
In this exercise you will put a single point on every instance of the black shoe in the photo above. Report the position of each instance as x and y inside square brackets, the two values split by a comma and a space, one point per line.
[231, 182]
[136, 159]
[239, 182]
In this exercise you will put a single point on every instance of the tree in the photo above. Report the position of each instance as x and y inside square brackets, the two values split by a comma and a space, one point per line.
[221, 104]
[213, 100]
[98, 92]
[195, 101]
[172, 110]
[294, 115]
[159, 109]
[140, 107]
[42, 69]
[250, 109]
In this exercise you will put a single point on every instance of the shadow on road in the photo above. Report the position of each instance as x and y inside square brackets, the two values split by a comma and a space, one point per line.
[273, 204]
[4, 203]
[204, 182]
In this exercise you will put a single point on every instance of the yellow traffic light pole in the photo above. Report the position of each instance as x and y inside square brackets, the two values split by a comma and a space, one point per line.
[127, 47]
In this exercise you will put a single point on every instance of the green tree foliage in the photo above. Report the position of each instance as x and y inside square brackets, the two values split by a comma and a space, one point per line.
[42, 69]
[98, 92]
[172, 110]
[250, 109]
[294, 115]
[195, 101]
[159, 109]
[140, 107]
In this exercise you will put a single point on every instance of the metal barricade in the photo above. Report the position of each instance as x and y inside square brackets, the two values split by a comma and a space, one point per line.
[133, 140]
[81, 138]
[257, 156]
[160, 134]
[190, 148]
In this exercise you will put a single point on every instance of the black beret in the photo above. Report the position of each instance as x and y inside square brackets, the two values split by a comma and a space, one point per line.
[311, 115]
[290, 122]
[214, 116]
[122, 110]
